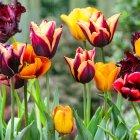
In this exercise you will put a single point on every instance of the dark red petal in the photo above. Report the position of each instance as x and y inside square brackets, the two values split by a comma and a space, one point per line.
[118, 84]
[134, 78]
[125, 91]
[134, 95]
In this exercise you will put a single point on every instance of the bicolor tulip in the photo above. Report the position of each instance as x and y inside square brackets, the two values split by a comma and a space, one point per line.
[45, 38]
[105, 75]
[11, 58]
[99, 31]
[9, 18]
[78, 14]
[63, 119]
[18, 82]
[82, 66]
[136, 43]
[33, 66]
[129, 86]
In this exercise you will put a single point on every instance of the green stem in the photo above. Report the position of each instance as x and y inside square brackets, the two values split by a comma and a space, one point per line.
[84, 102]
[13, 39]
[25, 102]
[63, 137]
[85, 44]
[48, 92]
[12, 109]
[105, 102]
[88, 102]
[136, 111]
[103, 56]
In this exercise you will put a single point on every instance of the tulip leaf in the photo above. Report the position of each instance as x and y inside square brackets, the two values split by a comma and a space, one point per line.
[56, 98]
[108, 132]
[24, 133]
[119, 101]
[100, 134]
[134, 129]
[50, 128]
[96, 119]
[83, 132]
[8, 129]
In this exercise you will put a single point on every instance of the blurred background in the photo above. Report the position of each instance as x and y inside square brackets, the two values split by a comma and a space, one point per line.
[70, 92]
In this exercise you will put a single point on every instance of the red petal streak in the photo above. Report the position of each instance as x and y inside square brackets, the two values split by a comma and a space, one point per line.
[79, 50]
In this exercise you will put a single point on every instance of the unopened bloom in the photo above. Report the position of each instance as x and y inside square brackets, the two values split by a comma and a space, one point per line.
[129, 86]
[99, 31]
[45, 38]
[105, 75]
[63, 119]
[9, 19]
[11, 58]
[82, 66]
[18, 82]
[78, 14]
[33, 66]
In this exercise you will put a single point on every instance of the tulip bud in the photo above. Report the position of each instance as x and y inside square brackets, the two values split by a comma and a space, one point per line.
[82, 66]
[63, 119]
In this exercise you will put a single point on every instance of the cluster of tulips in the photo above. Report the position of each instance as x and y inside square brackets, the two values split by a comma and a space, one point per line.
[21, 65]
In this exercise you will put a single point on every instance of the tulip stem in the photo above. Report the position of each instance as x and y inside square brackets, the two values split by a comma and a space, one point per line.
[84, 103]
[136, 111]
[103, 56]
[48, 92]
[88, 102]
[12, 109]
[85, 44]
[105, 101]
[13, 39]
[25, 102]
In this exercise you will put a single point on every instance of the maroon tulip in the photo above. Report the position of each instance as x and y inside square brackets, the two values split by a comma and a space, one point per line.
[9, 19]
[129, 86]
[18, 82]
[11, 58]
[45, 38]
[82, 66]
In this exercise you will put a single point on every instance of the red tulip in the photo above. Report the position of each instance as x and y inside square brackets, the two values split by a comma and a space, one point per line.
[45, 38]
[82, 66]
[129, 86]
[99, 31]
[9, 19]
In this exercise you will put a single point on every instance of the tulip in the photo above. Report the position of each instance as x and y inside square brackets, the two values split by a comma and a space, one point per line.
[99, 31]
[45, 38]
[78, 14]
[18, 82]
[9, 19]
[105, 75]
[82, 66]
[129, 86]
[33, 66]
[11, 58]
[136, 43]
[63, 119]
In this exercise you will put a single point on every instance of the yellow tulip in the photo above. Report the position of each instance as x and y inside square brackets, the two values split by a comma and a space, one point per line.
[105, 75]
[78, 14]
[63, 119]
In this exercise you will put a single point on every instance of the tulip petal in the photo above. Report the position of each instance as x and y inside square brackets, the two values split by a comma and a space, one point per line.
[70, 63]
[112, 23]
[118, 84]
[135, 95]
[111, 78]
[137, 47]
[56, 38]
[46, 64]
[86, 71]
[134, 78]
[125, 92]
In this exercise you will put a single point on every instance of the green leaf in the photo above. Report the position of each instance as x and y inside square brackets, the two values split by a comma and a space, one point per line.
[55, 98]
[134, 129]
[119, 101]
[108, 132]
[83, 132]
[50, 128]
[24, 133]
[96, 119]
[8, 129]
[100, 134]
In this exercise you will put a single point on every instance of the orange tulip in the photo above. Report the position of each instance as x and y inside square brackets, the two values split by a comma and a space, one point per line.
[99, 31]
[105, 75]
[78, 14]
[63, 119]
[82, 66]
[33, 66]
